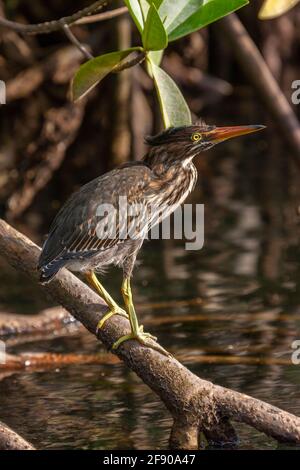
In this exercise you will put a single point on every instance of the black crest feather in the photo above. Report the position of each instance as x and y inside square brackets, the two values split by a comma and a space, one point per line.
[177, 134]
[164, 137]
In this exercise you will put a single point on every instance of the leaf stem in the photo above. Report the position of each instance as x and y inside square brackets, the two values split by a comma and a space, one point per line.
[76, 43]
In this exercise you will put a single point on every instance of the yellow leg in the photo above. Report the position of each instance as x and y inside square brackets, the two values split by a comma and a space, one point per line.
[114, 308]
[137, 331]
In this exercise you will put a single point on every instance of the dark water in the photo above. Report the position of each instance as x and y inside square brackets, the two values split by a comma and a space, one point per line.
[238, 298]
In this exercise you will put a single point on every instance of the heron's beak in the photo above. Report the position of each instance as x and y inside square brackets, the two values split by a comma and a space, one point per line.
[224, 133]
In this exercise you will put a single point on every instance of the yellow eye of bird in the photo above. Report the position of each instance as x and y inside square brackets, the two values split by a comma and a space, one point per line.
[196, 137]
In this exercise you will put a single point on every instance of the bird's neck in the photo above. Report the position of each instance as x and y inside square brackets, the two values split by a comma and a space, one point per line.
[165, 160]
[171, 171]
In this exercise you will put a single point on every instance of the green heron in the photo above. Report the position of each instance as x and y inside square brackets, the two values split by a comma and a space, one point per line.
[162, 180]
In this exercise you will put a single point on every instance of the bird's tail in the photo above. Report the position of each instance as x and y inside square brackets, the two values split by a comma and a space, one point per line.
[49, 271]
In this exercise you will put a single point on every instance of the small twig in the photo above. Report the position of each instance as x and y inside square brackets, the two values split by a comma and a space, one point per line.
[138, 59]
[76, 43]
[80, 17]
[107, 15]
[55, 25]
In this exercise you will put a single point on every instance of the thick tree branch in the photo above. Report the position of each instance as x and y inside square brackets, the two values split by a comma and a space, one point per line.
[9, 440]
[195, 404]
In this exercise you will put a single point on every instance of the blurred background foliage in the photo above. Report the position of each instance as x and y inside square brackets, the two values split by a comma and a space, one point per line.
[50, 146]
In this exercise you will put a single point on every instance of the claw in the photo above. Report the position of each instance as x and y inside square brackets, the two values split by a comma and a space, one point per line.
[142, 338]
[137, 331]
[148, 335]
[118, 311]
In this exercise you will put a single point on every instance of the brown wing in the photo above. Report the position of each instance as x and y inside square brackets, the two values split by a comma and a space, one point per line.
[83, 228]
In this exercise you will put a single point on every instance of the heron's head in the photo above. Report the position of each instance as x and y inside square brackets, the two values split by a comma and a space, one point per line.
[186, 142]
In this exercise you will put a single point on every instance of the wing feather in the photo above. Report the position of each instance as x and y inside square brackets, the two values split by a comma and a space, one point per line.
[75, 230]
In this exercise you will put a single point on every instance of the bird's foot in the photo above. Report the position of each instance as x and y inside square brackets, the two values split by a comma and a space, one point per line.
[143, 338]
[114, 311]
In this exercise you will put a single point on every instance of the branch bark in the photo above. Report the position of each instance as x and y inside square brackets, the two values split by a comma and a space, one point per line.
[195, 404]
[10, 440]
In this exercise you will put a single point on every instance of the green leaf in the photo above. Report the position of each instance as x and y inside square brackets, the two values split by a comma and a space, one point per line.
[156, 56]
[174, 109]
[135, 11]
[154, 35]
[156, 3]
[185, 16]
[273, 8]
[94, 70]
[177, 11]
[145, 5]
